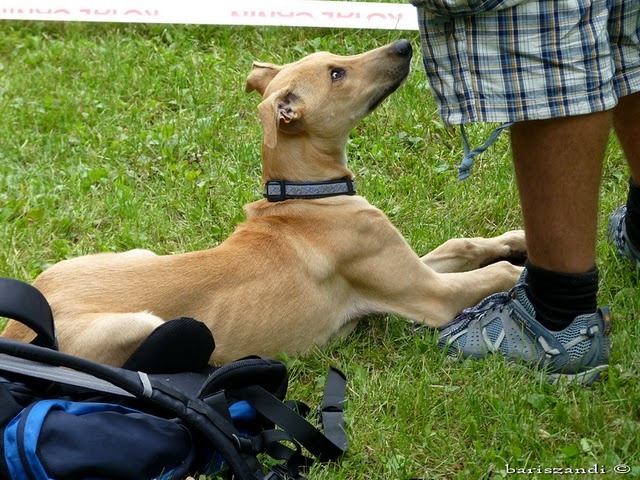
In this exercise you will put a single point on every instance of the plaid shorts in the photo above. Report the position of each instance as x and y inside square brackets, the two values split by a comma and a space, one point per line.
[515, 60]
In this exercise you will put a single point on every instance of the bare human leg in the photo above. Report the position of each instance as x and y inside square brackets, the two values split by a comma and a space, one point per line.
[558, 165]
[626, 122]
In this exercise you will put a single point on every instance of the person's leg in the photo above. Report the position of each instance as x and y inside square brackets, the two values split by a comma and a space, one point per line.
[550, 319]
[626, 122]
[624, 224]
[623, 26]
[558, 165]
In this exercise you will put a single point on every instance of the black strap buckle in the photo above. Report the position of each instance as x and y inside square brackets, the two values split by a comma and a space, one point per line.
[275, 190]
[281, 472]
[244, 444]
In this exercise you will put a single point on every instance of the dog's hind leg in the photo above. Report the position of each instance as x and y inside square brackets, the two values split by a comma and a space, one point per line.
[108, 338]
[464, 254]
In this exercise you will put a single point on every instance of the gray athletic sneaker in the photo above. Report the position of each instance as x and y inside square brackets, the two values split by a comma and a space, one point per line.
[617, 233]
[505, 324]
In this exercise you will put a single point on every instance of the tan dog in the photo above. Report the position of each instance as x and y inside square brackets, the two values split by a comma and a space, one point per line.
[297, 272]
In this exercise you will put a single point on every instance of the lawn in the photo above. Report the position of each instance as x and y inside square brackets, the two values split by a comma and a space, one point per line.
[117, 136]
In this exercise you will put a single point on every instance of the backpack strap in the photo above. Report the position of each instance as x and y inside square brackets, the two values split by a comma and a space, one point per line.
[295, 429]
[24, 303]
[332, 412]
[38, 362]
[253, 370]
[262, 383]
[325, 447]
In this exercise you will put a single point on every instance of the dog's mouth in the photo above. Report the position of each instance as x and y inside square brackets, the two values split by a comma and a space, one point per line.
[373, 105]
[401, 72]
[378, 100]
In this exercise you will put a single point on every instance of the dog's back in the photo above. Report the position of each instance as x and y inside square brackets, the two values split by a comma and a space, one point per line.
[259, 291]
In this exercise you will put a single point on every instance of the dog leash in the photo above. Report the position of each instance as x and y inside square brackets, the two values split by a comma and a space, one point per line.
[464, 169]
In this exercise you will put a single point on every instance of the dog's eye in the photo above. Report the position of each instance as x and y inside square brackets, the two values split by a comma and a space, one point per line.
[337, 74]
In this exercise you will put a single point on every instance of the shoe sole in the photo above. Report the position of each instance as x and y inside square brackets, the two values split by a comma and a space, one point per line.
[583, 378]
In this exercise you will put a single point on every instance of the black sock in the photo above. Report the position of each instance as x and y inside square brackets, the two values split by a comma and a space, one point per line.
[632, 219]
[560, 297]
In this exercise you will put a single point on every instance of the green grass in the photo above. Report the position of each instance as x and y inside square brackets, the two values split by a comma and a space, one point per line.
[116, 137]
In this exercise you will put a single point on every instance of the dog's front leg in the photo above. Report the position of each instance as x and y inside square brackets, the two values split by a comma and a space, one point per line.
[397, 281]
[435, 299]
[464, 254]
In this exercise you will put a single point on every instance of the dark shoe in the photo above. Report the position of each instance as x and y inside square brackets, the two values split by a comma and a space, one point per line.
[504, 324]
[617, 233]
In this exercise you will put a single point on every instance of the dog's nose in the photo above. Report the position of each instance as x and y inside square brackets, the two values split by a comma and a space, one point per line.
[403, 48]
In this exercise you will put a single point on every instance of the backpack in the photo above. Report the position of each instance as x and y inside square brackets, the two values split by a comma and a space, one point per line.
[166, 414]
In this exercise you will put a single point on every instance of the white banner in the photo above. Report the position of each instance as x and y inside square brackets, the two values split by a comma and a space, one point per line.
[301, 13]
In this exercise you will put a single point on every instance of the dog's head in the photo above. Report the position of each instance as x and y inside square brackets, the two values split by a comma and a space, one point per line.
[323, 96]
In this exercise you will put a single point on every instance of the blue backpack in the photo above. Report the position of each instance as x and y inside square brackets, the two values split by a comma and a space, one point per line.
[166, 414]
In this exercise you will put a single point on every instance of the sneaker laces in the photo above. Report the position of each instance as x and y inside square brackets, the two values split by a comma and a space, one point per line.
[462, 320]
[497, 300]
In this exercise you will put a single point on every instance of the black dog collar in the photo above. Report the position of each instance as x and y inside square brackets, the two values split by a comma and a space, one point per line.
[278, 190]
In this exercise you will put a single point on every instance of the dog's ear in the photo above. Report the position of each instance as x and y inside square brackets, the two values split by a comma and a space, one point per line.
[282, 110]
[260, 77]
